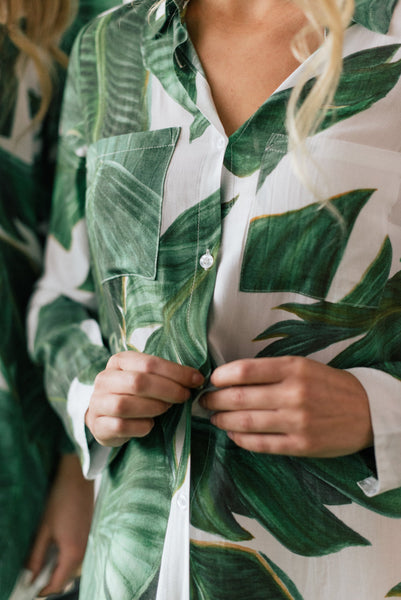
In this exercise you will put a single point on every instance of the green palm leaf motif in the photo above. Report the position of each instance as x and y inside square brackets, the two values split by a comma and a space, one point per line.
[68, 205]
[181, 83]
[20, 192]
[126, 543]
[177, 301]
[88, 9]
[395, 592]
[212, 490]
[370, 310]
[15, 287]
[222, 571]
[169, 423]
[370, 71]
[130, 239]
[187, 76]
[373, 288]
[375, 15]
[308, 264]
[27, 466]
[26, 414]
[379, 348]
[343, 472]
[60, 328]
[324, 323]
[229, 481]
[24, 483]
[109, 46]
[227, 206]
[180, 339]
[302, 339]
[24, 380]
[243, 157]
[116, 107]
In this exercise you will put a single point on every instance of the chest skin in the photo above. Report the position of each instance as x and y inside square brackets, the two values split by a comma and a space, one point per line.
[245, 51]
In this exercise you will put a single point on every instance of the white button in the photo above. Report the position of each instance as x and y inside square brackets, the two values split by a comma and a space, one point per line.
[182, 501]
[220, 143]
[206, 260]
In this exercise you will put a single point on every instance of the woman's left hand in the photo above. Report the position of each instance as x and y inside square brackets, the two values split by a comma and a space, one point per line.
[65, 525]
[290, 405]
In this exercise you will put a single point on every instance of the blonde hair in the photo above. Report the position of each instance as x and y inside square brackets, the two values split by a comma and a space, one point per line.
[35, 28]
[304, 118]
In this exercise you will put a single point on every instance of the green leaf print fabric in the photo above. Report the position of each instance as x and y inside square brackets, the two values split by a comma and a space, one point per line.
[31, 435]
[134, 201]
[275, 266]
[130, 522]
[236, 482]
[375, 15]
[371, 70]
[148, 185]
[267, 579]
[395, 592]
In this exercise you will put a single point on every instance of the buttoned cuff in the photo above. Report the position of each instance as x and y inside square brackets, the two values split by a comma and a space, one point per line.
[94, 457]
[384, 395]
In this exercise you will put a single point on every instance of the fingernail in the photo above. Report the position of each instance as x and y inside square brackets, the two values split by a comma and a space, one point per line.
[197, 379]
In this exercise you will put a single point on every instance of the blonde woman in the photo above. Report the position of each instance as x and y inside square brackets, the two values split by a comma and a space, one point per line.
[34, 451]
[219, 316]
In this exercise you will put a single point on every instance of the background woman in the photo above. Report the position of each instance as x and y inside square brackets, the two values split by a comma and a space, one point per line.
[258, 250]
[33, 448]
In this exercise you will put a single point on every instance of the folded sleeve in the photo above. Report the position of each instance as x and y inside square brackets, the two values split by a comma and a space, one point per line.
[384, 395]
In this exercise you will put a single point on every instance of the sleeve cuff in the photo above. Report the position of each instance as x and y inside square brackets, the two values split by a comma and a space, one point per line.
[94, 457]
[384, 395]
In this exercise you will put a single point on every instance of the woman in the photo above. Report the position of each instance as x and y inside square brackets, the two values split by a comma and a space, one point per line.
[34, 450]
[256, 261]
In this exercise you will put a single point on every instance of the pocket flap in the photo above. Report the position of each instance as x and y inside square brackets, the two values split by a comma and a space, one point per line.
[125, 185]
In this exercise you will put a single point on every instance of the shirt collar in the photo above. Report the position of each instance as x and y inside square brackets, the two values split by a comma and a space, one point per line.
[165, 13]
[374, 14]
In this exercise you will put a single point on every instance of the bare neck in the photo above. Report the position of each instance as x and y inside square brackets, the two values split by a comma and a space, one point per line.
[242, 14]
[245, 50]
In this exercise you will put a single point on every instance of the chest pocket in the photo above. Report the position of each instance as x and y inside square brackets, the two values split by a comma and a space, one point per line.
[344, 252]
[125, 183]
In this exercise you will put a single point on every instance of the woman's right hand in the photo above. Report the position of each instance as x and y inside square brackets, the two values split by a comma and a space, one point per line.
[132, 390]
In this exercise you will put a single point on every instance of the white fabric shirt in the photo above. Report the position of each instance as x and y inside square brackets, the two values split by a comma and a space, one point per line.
[278, 280]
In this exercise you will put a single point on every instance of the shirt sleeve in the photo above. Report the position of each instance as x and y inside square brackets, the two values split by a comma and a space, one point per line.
[383, 392]
[64, 334]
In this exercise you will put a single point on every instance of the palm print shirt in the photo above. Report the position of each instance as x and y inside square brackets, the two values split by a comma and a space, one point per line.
[31, 436]
[172, 239]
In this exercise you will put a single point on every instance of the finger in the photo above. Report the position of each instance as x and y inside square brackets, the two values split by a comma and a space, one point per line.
[129, 407]
[255, 371]
[257, 421]
[137, 361]
[39, 551]
[273, 443]
[112, 432]
[146, 385]
[66, 568]
[250, 397]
